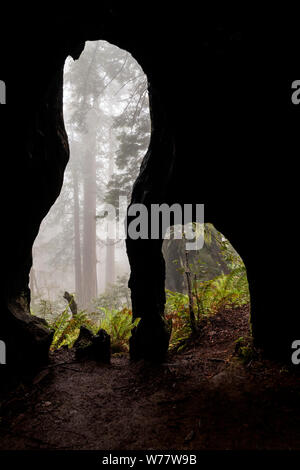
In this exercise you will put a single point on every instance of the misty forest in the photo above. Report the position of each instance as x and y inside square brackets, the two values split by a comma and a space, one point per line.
[79, 276]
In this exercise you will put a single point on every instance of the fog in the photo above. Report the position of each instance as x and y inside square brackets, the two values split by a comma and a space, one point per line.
[106, 113]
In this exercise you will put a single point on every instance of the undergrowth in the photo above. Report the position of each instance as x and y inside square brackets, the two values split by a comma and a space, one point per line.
[209, 298]
[118, 324]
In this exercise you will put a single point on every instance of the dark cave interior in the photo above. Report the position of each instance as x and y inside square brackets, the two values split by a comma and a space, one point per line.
[222, 121]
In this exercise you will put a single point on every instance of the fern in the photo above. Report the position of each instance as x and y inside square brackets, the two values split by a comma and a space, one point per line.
[66, 329]
[118, 324]
[211, 297]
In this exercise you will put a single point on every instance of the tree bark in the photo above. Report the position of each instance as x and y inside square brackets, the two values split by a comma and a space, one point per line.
[89, 229]
[110, 245]
[77, 241]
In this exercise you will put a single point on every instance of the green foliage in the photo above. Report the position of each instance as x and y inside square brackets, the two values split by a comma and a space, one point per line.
[177, 310]
[118, 324]
[66, 328]
[224, 291]
[210, 297]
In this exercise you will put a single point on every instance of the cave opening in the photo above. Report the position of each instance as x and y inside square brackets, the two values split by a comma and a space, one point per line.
[107, 119]
[204, 283]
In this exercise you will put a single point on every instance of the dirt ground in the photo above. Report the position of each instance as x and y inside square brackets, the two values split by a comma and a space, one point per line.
[205, 397]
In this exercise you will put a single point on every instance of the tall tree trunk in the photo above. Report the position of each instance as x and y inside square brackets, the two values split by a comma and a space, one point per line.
[110, 244]
[89, 229]
[86, 267]
[77, 241]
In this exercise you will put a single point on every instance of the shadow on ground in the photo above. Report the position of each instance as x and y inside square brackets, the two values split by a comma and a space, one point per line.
[205, 397]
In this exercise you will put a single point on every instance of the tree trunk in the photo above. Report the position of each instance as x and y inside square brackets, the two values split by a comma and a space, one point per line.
[89, 229]
[89, 254]
[77, 241]
[110, 244]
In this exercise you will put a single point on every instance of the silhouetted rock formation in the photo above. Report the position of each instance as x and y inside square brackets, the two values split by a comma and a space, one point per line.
[90, 346]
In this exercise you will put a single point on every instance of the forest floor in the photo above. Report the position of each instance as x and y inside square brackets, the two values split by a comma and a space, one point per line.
[204, 397]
